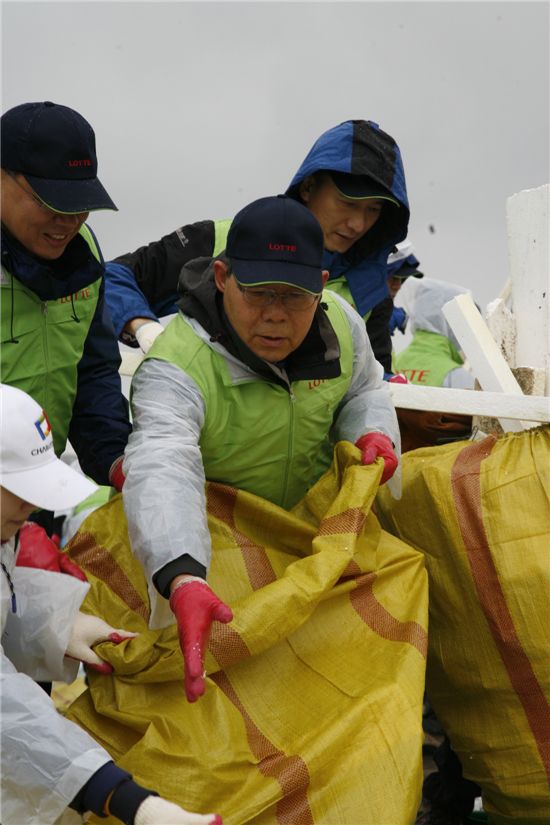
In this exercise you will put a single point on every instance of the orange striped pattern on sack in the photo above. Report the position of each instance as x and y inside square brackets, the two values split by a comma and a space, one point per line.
[325, 652]
[467, 498]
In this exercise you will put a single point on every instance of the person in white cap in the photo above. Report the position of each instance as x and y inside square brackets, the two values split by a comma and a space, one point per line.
[48, 763]
[401, 264]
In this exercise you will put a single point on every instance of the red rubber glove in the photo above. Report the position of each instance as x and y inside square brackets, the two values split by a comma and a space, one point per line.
[374, 445]
[116, 474]
[195, 607]
[37, 549]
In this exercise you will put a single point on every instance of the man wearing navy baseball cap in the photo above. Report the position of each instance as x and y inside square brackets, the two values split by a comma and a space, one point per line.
[251, 385]
[58, 343]
[53, 148]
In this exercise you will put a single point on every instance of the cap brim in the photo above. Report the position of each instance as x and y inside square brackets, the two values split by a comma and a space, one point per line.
[53, 486]
[256, 273]
[406, 272]
[70, 196]
[357, 188]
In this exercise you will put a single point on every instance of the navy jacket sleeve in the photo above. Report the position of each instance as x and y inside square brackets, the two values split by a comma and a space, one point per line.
[100, 424]
[125, 299]
[378, 330]
[144, 283]
[125, 801]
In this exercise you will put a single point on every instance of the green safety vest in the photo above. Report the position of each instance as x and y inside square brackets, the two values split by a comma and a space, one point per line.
[221, 228]
[428, 359]
[341, 287]
[256, 435]
[44, 362]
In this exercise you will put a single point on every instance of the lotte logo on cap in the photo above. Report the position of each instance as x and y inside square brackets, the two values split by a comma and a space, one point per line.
[282, 247]
[43, 426]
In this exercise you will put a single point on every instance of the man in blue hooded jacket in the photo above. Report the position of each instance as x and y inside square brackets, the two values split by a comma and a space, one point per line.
[352, 180]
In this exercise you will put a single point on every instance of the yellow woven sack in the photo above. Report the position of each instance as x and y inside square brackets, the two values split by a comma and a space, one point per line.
[480, 512]
[312, 711]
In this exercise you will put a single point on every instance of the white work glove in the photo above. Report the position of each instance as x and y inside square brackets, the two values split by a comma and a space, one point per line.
[157, 811]
[89, 630]
[147, 333]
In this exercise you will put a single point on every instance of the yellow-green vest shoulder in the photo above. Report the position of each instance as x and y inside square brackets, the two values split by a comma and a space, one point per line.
[42, 344]
[257, 435]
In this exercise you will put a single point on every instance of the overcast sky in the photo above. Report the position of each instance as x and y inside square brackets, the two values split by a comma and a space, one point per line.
[201, 107]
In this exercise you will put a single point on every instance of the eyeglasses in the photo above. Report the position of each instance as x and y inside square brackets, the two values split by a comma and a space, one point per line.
[30, 194]
[293, 300]
[34, 197]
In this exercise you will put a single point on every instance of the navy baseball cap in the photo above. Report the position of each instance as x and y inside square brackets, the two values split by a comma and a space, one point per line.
[402, 263]
[406, 269]
[360, 186]
[53, 147]
[276, 240]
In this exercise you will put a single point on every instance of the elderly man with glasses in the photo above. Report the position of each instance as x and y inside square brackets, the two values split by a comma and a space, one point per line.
[251, 385]
[58, 343]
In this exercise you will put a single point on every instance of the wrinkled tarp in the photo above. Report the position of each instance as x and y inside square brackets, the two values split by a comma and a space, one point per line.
[480, 512]
[312, 711]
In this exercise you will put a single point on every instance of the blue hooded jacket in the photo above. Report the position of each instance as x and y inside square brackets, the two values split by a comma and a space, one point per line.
[360, 147]
[144, 283]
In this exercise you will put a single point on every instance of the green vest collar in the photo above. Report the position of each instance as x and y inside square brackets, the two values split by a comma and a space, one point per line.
[75, 270]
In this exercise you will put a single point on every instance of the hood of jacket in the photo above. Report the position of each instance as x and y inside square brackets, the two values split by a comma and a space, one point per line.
[318, 356]
[75, 269]
[426, 307]
[360, 147]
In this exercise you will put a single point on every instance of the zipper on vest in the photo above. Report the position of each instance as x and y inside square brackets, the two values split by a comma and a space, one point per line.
[44, 308]
[291, 402]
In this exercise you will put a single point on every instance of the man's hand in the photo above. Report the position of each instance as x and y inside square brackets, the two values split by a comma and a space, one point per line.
[37, 549]
[195, 607]
[147, 333]
[88, 631]
[374, 445]
[155, 810]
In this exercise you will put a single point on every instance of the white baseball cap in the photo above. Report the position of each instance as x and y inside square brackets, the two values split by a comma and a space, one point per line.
[29, 467]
